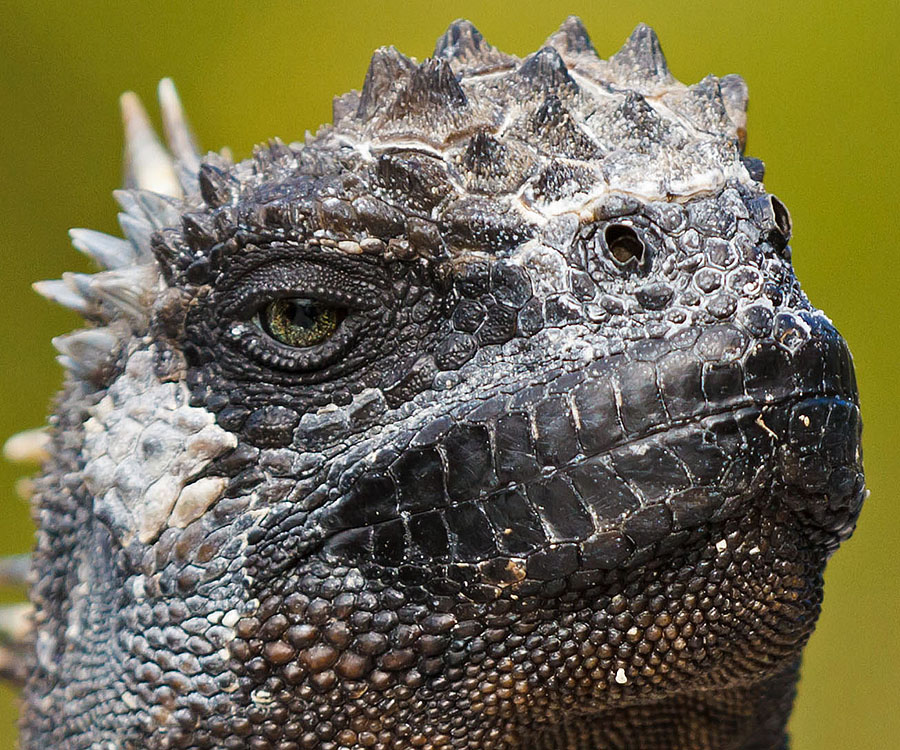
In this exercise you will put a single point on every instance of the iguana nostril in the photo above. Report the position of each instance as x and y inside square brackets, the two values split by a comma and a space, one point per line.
[624, 244]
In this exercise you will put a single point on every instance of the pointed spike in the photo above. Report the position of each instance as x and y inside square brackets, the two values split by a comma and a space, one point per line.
[16, 624]
[345, 105]
[432, 84]
[386, 69]
[127, 200]
[24, 488]
[187, 178]
[735, 96]
[275, 153]
[484, 155]
[147, 164]
[160, 210]
[756, 168]
[642, 56]
[461, 41]
[138, 232]
[104, 249]
[86, 351]
[217, 187]
[127, 290]
[705, 107]
[80, 282]
[179, 135]
[14, 570]
[198, 229]
[56, 290]
[545, 68]
[467, 51]
[85, 340]
[735, 93]
[638, 120]
[571, 38]
[14, 666]
[28, 446]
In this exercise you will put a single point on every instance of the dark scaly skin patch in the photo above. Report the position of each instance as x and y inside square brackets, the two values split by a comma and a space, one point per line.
[566, 475]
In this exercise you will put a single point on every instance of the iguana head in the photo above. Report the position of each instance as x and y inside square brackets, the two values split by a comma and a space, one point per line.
[492, 405]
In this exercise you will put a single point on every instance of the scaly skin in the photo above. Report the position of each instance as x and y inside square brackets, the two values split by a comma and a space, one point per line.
[566, 475]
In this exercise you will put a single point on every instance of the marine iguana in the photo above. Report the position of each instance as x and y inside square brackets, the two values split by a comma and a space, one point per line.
[490, 416]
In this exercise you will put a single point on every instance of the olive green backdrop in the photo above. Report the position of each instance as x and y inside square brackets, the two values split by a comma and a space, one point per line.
[825, 102]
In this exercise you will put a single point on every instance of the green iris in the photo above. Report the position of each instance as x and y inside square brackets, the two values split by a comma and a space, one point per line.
[299, 322]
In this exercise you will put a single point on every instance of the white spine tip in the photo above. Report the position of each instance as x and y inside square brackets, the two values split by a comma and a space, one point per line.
[148, 166]
[104, 249]
[61, 293]
[179, 134]
[27, 447]
[86, 351]
[16, 622]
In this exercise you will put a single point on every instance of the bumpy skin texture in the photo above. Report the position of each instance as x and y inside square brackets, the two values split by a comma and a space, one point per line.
[566, 476]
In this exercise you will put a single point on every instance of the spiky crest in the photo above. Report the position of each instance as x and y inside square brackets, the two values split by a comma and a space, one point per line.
[178, 131]
[387, 69]
[463, 46]
[546, 70]
[148, 166]
[571, 39]
[641, 57]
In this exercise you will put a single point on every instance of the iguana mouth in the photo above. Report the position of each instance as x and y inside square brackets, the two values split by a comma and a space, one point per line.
[660, 506]
[565, 474]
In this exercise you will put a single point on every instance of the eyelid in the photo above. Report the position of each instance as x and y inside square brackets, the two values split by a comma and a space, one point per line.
[265, 283]
[272, 353]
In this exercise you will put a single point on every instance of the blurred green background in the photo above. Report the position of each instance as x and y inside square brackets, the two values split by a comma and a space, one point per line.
[825, 103]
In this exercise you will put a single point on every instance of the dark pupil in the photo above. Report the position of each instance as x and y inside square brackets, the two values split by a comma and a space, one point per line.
[301, 314]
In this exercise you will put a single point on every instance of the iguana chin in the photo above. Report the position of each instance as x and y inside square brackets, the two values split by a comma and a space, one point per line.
[491, 416]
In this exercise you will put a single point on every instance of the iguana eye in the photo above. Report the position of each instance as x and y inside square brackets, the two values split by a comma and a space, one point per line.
[299, 321]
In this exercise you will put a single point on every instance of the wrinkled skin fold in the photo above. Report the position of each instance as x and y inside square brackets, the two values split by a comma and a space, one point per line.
[565, 474]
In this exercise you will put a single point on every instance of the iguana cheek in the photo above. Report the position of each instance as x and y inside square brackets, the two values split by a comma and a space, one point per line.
[144, 450]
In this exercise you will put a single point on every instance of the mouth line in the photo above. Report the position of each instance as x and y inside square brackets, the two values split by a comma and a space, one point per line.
[747, 406]
[745, 403]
